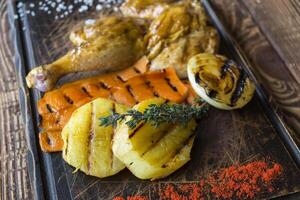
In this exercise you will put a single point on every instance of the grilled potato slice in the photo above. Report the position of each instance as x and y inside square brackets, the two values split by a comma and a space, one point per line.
[87, 145]
[153, 152]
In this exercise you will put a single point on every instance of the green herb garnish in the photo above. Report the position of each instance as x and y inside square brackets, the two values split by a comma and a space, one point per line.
[158, 114]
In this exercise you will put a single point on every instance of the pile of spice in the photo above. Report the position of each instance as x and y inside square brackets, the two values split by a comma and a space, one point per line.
[235, 182]
[240, 182]
[137, 197]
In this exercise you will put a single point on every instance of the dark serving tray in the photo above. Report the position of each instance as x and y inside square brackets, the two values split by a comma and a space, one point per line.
[252, 133]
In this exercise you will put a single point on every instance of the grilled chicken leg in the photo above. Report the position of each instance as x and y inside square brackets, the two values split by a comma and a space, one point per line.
[117, 44]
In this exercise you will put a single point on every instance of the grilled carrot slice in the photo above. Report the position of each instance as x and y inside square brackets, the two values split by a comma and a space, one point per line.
[137, 69]
[51, 141]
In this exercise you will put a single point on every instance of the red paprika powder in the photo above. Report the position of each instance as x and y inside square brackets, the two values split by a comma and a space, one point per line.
[137, 197]
[245, 181]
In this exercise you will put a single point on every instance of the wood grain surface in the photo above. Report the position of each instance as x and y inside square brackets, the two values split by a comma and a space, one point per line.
[270, 41]
[13, 168]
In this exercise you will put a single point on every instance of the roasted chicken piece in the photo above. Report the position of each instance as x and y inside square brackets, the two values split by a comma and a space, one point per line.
[179, 33]
[93, 28]
[147, 9]
[117, 43]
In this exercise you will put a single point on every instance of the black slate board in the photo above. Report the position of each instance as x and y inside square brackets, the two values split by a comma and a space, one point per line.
[255, 132]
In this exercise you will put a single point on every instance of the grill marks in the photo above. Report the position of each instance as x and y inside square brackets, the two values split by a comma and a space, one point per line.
[131, 92]
[67, 146]
[68, 99]
[86, 92]
[148, 84]
[212, 93]
[154, 143]
[49, 108]
[121, 79]
[240, 86]
[91, 137]
[178, 150]
[103, 86]
[136, 130]
[226, 66]
[51, 141]
[170, 84]
[197, 78]
[113, 109]
[136, 70]
[163, 84]
[167, 85]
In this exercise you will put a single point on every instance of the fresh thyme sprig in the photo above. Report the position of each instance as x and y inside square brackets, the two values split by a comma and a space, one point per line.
[158, 114]
[199, 100]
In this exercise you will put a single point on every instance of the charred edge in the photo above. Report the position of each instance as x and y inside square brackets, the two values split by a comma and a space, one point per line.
[49, 108]
[130, 90]
[48, 140]
[212, 94]
[58, 119]
[113, 109]
[67, 146]
[136, 130]
[154, 143]
[68, 99]
[137, 70]
[103, 86]
[86, 92]
[121, 79]
[186, 142]
[232, 79]
[170, 84]
[148, 83]
[225, 67]
[91, 137]
[240, 86]
[111, 150]
[197, 78]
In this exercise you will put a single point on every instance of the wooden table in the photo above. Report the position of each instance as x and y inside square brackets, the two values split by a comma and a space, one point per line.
[267, 30]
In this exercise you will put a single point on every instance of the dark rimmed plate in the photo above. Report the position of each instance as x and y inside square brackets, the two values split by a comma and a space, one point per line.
[253, 133]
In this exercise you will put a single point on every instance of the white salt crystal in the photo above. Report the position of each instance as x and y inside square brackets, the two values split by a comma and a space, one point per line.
[99, 7]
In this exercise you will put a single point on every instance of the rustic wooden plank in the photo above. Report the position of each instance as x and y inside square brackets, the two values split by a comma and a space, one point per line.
[13, 168]
[274, 72]
[280, 22]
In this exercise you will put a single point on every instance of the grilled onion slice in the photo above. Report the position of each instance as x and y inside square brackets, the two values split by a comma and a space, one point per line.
[220, 81]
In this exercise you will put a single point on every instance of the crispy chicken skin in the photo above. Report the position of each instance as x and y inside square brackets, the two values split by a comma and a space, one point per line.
[148, 9]
[179, 33]
[116, 43]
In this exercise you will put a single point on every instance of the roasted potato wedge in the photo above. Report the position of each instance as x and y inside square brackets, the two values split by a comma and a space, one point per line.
[151, 152]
